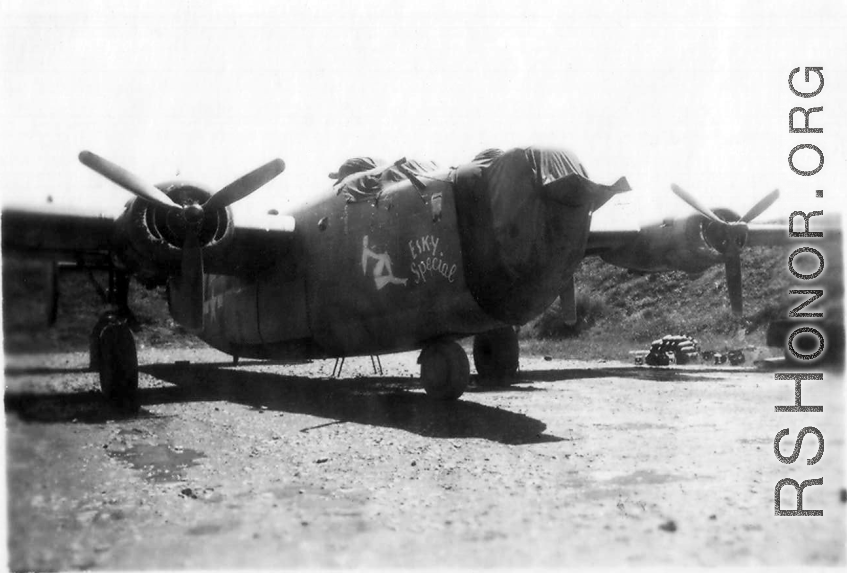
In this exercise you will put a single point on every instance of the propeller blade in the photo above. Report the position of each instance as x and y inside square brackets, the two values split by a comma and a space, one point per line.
[243, 186]
[733, 282]
[191, 283]
[688, 198]
[129, 181]
[761, 206]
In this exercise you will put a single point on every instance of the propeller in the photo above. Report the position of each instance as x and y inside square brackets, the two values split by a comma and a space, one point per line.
[728, 238]
[235, 191]
[189, 216]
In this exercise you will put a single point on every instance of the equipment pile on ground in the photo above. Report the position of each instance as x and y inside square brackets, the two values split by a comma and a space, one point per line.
[672, 349]
[680, 349]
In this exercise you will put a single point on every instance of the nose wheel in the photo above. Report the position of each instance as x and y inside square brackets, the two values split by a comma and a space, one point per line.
[496, 355]
[445, 370]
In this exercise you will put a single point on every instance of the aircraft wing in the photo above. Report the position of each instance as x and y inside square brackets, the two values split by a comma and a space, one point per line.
[612, 226]
[761, 235]
[63, 235]
[604, 239]
[696, 242]
[174, 232]
[91, 238]
[767, 234]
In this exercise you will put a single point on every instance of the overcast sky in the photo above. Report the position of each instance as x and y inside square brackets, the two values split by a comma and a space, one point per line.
[689, 92]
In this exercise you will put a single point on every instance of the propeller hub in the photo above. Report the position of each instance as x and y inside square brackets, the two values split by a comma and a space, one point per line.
[193, 214]
[737, 235]
[726, 237]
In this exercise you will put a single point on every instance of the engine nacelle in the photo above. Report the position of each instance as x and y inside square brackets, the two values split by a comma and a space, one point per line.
[151, 237]
[691, 244]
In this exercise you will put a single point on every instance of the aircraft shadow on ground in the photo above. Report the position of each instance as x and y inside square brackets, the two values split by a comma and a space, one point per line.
[62, 407]
[43, 370]
[376, 401]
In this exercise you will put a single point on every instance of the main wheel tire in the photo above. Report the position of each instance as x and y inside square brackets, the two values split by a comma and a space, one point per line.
[496, 356]
[445, 370]
[107, 318]
[118, 366]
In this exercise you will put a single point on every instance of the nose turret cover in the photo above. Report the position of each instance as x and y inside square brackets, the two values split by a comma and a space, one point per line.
[519, 235]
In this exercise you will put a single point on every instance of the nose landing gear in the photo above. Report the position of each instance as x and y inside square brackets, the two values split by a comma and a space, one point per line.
[496, 355]
[445, 371]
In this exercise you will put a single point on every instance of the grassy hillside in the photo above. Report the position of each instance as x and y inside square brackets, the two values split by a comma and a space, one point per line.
[619, 311]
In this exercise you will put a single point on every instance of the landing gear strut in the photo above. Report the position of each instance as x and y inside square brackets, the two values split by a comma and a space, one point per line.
[495, 355]
[445, 370]
[113, 355]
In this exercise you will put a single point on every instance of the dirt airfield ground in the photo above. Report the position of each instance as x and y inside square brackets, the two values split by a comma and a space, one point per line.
[578, 464]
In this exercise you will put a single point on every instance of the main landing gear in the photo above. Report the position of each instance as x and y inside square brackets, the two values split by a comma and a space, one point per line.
[495, 355]
[445, 371]
[112, 354]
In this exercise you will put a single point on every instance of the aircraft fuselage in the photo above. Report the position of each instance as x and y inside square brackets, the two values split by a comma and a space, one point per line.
[392, 273]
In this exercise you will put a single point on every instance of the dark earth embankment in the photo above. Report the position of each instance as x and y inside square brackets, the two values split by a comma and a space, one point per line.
[619, 310]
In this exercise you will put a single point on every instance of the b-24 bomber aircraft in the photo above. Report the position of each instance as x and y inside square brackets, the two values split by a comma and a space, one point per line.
[392, 257]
